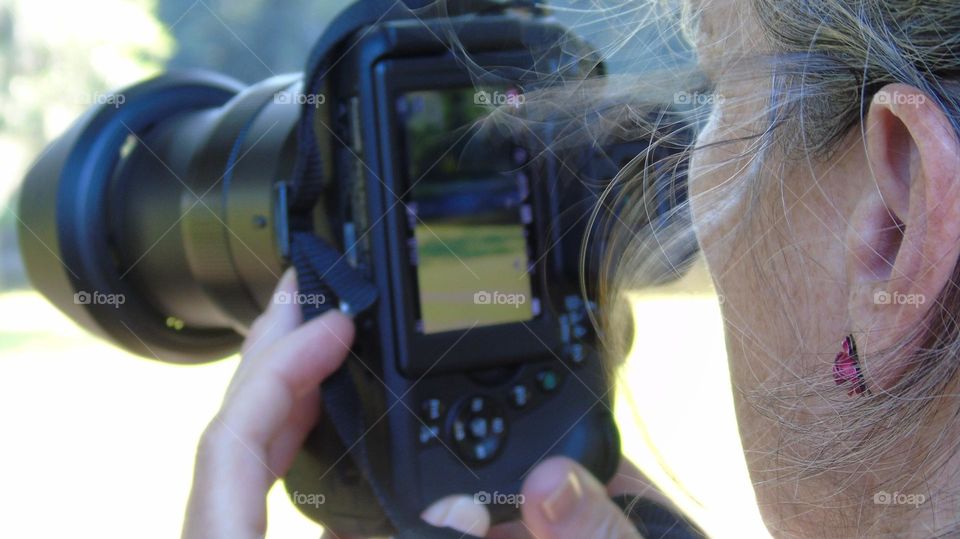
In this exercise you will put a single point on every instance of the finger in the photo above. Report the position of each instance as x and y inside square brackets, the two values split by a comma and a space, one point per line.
[280, 318]
[564, 501]
[234, 467]
[262, 399]
[515, 529]
[460, 513]
[228, 495]
[289, 440]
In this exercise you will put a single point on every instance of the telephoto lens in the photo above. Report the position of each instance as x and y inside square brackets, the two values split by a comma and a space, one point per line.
[152, 222]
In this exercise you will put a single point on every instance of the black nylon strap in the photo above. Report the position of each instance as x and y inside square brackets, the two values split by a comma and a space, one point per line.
[321, 270]
[654, 521]
[306, 180]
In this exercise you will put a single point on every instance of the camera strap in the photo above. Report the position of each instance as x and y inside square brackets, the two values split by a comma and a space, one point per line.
[322, 269]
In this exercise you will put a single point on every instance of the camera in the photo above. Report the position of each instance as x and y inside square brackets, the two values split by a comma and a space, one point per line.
[173, 200]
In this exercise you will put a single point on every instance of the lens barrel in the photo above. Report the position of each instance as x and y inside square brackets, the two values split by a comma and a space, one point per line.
[152, 221]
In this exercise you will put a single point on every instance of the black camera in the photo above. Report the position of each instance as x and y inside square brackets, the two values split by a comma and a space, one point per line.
[478, 358]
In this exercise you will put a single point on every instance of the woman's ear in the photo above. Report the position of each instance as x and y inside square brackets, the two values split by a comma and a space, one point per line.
[904, 235]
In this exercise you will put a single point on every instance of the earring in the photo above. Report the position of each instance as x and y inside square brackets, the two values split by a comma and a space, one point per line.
[846, 367]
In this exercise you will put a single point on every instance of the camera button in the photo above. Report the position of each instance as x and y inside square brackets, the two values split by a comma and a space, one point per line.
[485, 450]
[480, 452]
[478, 427]
[432, 409]
[519, 396]
[429, 433]
[548, 380]
[497, 425]
[477, 404]
[575, 353]
[459, 431]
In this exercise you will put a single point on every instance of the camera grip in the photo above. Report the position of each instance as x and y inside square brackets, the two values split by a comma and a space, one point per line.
[327, 487]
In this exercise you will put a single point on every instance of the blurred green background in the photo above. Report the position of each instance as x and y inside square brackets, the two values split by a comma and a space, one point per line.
[97, 443]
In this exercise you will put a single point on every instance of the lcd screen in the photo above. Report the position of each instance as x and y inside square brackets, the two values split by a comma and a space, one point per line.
[468, 212]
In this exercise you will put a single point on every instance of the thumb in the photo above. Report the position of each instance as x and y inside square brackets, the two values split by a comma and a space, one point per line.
[461, 513]
[562, 500]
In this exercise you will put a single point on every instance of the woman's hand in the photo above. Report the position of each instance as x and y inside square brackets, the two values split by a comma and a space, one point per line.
[274, 400]
[272, 403]
[561, 500]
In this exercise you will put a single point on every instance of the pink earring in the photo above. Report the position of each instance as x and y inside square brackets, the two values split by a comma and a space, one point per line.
[846, 367]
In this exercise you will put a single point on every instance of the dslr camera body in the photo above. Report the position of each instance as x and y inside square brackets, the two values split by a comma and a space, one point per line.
[479, 354]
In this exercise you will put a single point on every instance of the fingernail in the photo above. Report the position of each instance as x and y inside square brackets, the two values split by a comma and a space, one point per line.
[460, 513]
[437, 513]
[561, 503]
[460, 516]
[284, 288]
[288, 277]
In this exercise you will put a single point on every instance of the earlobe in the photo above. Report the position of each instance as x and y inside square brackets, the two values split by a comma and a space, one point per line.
[903, 238]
